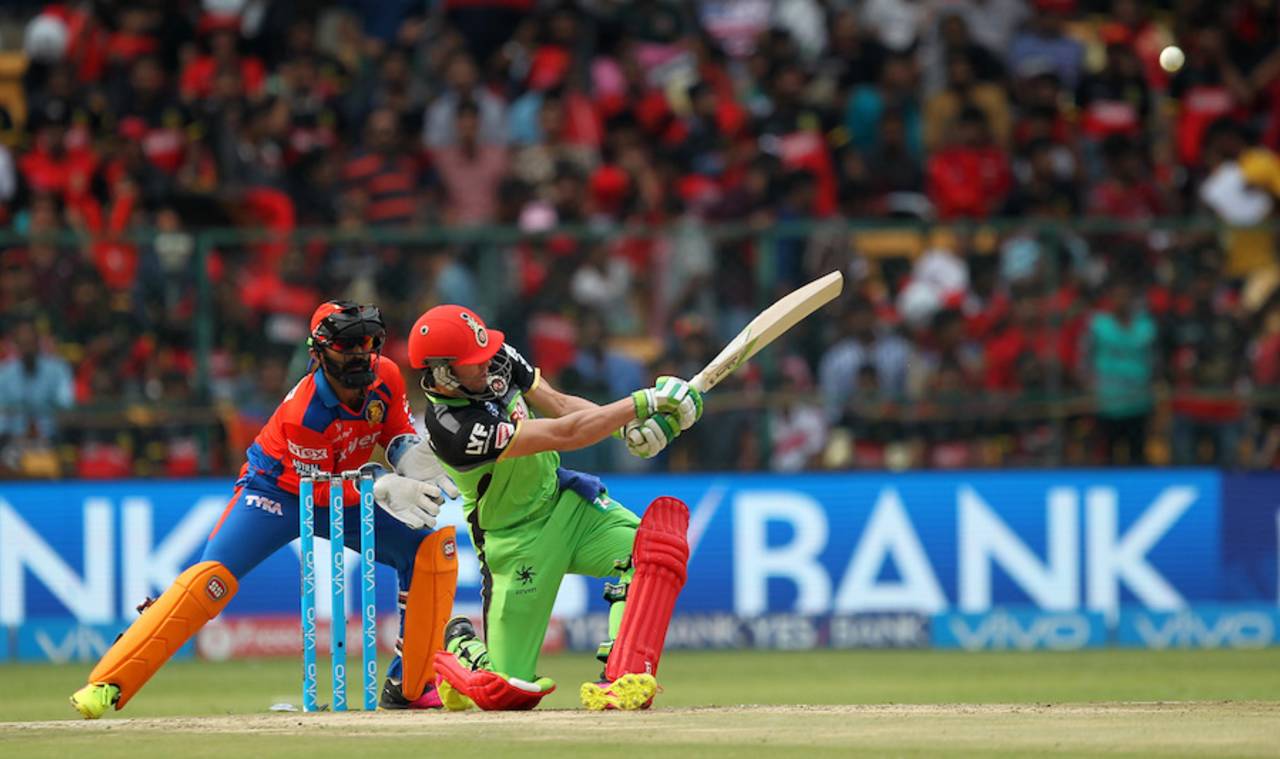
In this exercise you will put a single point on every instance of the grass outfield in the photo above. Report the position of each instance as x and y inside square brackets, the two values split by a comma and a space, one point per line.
[908, 703]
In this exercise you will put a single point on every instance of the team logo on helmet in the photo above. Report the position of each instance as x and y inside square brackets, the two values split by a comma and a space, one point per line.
[375, 412]
[498, 385]
[449, 549]
[482, 334]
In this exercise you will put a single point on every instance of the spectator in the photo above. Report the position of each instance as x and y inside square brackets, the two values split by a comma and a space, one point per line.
[462, 82]
[894, 91]
[1207, 88]
[894, 168]
[964, 90]
[35, 384]
[1206, 351]
[954, 40]
[1128, 192]
[1042, 185]
[1045, 46]
[221, 35]
[470, 171]
[971, 176]
[1265, 372]
[54, 165]
[897, 23]
[1229, 193]
[603, 286]
[1116, 100]
[1120, 365]
[799, 426]
[860, 343]
[550, 147]
[382, 179]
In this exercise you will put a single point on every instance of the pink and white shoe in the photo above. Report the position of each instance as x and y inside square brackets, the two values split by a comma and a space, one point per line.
[393, 697]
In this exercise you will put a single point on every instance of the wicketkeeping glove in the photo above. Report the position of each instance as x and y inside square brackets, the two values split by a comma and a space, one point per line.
[647, 437]
[669, 395]
[420, 463]
[413, 502]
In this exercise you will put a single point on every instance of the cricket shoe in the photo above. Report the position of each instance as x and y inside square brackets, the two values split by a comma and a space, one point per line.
[94, 699]
[628, 693]
[394, 698]
[460, 639]
[451, 698]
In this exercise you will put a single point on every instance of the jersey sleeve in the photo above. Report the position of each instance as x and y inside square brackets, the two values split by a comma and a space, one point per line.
[399, 419]
[467, 436]
[523, 374]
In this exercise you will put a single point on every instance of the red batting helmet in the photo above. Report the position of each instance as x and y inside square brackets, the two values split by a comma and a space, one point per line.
[453, 334]
[447, 335]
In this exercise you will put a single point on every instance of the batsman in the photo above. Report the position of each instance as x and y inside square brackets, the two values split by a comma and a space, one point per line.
[350, 401]
[532, 521]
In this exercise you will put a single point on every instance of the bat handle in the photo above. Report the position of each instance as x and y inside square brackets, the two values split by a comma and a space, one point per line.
[699, 382]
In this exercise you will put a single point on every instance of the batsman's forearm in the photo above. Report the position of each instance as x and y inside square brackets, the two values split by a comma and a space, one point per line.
[589, 426]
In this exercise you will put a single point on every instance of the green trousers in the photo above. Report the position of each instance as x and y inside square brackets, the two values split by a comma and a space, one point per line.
[522, 567]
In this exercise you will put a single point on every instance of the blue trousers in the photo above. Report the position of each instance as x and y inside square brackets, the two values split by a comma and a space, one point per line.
[259, 521]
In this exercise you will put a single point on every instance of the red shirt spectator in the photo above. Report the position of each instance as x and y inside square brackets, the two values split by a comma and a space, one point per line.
[53, 165]
[972, 177]
[1128, 192]
[199, 74]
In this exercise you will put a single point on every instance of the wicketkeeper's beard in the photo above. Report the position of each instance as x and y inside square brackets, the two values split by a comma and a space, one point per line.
[354, 372]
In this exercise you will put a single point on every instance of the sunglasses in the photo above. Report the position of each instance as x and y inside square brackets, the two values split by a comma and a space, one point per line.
[356, 344]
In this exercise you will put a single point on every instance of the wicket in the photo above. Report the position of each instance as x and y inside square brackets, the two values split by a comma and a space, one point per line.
[338, 589]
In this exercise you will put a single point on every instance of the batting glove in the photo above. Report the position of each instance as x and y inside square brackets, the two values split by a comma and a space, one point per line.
[647, 438]
[670, 395]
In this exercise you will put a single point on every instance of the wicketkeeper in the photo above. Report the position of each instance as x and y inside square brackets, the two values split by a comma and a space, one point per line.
[352, 400]
[532, 521]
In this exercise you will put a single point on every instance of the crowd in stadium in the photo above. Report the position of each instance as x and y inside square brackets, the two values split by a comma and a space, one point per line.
[615, 136]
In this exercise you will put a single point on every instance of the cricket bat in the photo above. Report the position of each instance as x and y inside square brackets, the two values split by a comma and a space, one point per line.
[767, 326]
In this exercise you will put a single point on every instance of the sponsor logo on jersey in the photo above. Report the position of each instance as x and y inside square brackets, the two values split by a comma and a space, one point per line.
[478, 441]
[375, 411]
[364, 441]
[255, 501]
[503, 434]
[303, 469]
[310, 454]
[216, 588]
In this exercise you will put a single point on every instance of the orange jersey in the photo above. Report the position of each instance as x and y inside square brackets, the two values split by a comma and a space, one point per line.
[312, 432]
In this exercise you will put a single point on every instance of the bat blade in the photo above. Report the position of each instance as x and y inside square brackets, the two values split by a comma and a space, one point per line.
[767, 326]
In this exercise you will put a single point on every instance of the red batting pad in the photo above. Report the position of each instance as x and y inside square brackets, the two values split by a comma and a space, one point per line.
[661, 559]
[488, 690]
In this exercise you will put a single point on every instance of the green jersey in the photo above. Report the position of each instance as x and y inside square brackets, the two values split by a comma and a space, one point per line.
[470, 438]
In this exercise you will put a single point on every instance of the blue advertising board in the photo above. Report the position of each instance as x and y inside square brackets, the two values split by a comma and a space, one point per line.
[839, 546]
[1250, 531]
